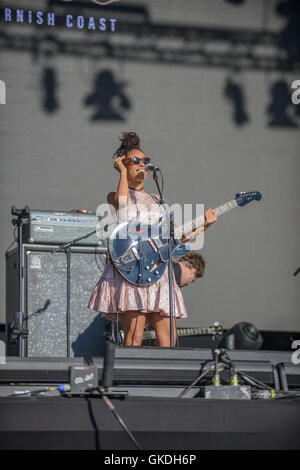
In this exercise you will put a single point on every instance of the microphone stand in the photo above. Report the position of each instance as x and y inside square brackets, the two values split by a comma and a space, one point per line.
[16, 331]
[171, 237]
[170, 267]
[67, 247]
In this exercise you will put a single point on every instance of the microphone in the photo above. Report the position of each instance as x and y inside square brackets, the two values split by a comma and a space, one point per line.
[151, 167]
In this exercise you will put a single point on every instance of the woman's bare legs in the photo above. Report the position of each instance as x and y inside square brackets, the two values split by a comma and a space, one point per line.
[133, 324]
[162, 329]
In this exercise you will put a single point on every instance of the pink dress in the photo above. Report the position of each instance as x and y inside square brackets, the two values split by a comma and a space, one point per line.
[113, 294]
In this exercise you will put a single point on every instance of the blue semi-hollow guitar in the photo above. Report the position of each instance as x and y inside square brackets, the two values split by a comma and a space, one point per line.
[141, 256]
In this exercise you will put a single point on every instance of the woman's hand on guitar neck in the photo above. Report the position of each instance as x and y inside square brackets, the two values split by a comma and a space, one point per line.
[210, 218]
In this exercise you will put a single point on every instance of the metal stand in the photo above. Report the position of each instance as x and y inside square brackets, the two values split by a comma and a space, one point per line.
[170, 266]
[222, 361]
[170, 272]
[16, 329]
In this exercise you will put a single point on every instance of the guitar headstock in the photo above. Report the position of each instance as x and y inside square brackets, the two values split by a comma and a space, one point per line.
[216, 329]
[245, 197]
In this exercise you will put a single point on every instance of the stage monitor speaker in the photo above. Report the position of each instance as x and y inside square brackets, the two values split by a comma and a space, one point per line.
[45, 300]
[243, 335]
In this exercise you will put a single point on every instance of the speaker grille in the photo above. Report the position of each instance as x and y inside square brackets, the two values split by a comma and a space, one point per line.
[45, 285]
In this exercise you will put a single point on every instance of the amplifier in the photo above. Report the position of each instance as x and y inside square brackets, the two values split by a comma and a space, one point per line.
[49, 227]
[45, 300]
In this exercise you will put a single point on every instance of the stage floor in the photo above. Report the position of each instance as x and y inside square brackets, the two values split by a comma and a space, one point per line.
[157, 423]
[159, 419]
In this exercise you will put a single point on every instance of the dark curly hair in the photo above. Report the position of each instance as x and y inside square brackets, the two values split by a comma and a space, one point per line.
[129, 141]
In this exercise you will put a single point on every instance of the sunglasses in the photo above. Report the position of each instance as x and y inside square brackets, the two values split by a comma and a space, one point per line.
[137, 160]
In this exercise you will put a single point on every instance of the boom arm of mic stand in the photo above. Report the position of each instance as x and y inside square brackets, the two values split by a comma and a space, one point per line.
[72, 242]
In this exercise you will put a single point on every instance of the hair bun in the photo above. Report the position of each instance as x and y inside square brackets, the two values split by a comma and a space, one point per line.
[129, 141]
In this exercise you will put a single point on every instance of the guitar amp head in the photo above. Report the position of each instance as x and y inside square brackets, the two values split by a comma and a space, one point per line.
[55, 227]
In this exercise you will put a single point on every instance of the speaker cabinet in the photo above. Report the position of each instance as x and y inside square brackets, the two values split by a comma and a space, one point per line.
[45, 300]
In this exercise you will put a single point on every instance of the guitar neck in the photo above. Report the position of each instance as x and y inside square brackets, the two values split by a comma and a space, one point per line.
[193, 331]
[200, 221]
[182, 332]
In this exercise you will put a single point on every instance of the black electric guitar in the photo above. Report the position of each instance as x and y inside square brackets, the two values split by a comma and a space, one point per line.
[141, 255]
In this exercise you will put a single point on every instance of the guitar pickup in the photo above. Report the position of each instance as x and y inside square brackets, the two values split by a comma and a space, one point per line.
[136, 253]
[153, 245]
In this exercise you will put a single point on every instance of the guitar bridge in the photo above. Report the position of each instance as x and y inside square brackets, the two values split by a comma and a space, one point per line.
[127, 257]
